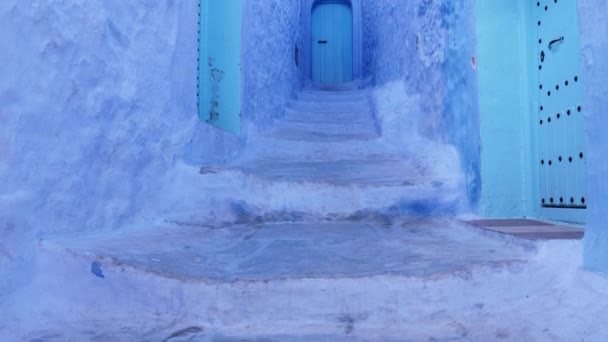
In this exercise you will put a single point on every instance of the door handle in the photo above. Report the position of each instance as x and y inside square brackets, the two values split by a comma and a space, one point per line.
[322, 41]
[555, 41]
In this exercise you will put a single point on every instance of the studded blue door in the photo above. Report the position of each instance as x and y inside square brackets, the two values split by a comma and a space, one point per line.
[219, 86]
[332, 42]
[559, 125]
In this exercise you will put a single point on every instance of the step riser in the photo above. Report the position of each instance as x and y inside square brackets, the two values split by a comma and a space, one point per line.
[338, 107]
[234, 196]
[316, 137]
[326, 127]
[331, 99]
[360, 119]
[328, 115]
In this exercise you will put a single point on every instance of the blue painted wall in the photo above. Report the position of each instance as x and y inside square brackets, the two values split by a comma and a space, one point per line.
[116, 111]
[270, 74]
[594, 53]
[429, 46]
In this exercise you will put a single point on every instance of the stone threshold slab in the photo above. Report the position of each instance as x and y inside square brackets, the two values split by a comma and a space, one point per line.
[529, 229]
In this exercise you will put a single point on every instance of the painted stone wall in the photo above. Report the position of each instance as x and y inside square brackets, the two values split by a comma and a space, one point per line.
[98, 105]
[594, 50]
[429, 45]
[271, 77]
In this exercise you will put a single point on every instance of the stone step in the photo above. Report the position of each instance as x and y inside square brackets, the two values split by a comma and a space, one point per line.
[354, 85]
[339, 125]
[324, 133]
[184, 281]
[365, 172]
[276, 190]
[266, 146]
[355, 117]
[329, 107]
[331, 97]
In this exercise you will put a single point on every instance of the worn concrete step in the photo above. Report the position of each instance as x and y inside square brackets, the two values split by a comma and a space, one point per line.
[329, 97]
[325, 107]
[316, 135]
[367, 172]
[307, 189]
[323, 125]
[350, 280]
[354, 117]
[353, 85]
[324, 133]
[268, 147]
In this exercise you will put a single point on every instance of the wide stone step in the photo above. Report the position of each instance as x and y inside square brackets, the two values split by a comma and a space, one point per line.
[346, 280]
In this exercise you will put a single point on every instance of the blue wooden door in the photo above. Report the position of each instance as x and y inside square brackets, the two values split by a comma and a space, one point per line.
[220, 63]
[559, 95]
[332, 42]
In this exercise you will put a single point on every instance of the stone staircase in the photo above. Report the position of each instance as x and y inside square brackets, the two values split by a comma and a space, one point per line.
[324, 230]
[327, 159]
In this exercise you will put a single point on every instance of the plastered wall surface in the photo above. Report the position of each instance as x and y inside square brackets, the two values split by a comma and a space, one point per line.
[429, 45]
[594, 51]
[99, 104]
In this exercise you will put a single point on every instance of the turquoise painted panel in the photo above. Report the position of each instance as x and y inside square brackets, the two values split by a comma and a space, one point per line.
[561, 159]
[219, 90]
[503, 106]
[332, 42]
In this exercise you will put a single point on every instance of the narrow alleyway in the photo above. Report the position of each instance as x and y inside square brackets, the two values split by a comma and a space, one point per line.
[303, 170]
[338, 236]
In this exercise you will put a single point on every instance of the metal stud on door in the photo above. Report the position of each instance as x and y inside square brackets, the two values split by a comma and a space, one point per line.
[560, 131]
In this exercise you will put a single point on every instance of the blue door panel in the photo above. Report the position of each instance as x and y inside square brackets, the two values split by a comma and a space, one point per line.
[219, 86]
[559, 94]
[332, 42]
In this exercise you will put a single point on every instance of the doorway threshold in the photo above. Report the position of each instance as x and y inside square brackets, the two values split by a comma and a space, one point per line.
[529, 229]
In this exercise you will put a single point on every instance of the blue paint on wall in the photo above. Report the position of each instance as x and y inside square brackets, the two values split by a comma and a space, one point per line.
[96, 269]
[429, 46]
[270, 74]
[594, 53]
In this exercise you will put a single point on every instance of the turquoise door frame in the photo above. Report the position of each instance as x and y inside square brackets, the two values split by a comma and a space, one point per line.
[332, 42]
[219, 74]
[306, 31]
[557, 91]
